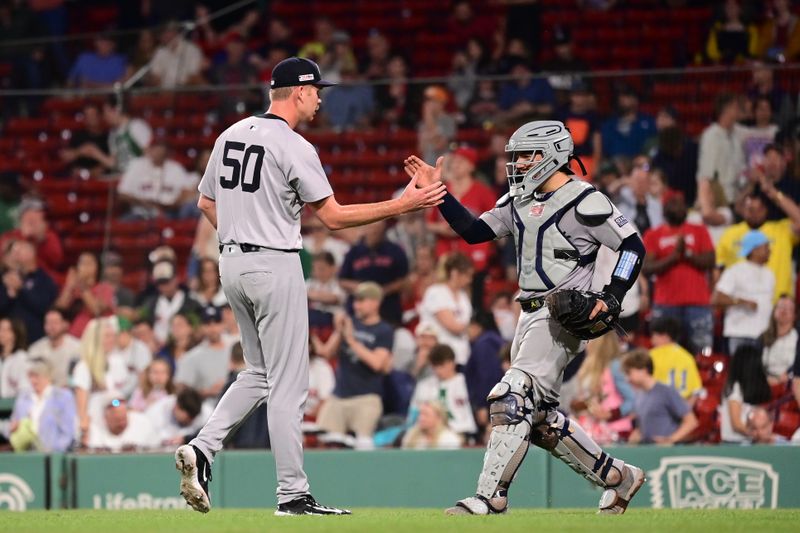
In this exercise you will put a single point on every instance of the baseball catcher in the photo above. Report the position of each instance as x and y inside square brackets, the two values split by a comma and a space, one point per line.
[558, 224]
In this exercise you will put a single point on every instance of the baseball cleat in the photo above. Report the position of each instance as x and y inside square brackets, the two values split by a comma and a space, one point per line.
[307, 505]
[195, 475]
[616, 499]
[476, 505]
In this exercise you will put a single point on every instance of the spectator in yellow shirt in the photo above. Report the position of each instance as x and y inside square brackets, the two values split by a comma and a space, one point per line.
[672, 364]
[782, 235]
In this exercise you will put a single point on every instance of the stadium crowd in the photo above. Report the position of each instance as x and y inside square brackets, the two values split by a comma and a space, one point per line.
[410, 326]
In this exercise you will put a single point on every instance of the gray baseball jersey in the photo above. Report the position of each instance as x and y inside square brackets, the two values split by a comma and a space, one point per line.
[556, 248]
[260, 174]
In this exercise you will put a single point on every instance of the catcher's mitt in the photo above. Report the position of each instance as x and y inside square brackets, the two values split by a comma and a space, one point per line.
[572, 308]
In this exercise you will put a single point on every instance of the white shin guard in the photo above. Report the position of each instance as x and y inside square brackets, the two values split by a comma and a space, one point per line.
[516, 422]
[583, 454]
[512, 415]
[507, 448]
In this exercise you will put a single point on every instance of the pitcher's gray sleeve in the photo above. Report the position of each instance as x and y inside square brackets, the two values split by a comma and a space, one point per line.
[305, 173]
[208, 183]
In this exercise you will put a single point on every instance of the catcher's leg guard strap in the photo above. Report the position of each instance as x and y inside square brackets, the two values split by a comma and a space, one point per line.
[511, 411]
[567, 440]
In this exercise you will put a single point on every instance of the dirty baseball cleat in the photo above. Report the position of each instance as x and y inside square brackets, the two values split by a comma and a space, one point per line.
[477, 505]
[307, 505]
[195, 475]
[615, 500]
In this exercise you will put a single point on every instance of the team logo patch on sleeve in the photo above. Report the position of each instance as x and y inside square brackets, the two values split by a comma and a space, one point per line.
[621, 220]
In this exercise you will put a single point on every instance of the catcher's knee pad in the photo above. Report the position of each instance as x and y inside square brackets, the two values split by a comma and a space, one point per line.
[511, 400]
[512, 413]
[567, 440]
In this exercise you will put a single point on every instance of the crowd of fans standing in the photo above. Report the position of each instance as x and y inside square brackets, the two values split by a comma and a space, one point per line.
[406, 340]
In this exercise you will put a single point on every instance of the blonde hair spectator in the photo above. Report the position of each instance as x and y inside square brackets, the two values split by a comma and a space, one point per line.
[430, 430]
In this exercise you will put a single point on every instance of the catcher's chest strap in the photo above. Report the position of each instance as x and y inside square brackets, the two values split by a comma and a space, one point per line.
[532, 304]
[574, 255]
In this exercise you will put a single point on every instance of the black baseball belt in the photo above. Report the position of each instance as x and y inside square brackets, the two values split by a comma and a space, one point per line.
[532, 304]
[249, 248]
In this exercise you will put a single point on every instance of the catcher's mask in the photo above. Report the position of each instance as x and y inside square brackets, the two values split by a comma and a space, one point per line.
[538, 150]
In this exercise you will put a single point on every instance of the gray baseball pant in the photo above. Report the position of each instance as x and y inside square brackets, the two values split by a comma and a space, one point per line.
[543, 348]
[268, 296]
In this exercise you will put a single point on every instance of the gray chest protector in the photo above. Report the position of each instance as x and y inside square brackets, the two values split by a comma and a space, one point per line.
[545, 256]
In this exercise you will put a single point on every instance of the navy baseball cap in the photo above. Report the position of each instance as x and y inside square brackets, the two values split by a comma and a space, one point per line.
[296, 71]
[212, 314]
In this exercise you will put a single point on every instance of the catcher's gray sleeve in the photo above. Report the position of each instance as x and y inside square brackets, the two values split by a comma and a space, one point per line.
[614, 230]
[499, 218]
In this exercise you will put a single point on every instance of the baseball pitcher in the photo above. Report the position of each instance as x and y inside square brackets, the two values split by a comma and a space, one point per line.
[260, 174]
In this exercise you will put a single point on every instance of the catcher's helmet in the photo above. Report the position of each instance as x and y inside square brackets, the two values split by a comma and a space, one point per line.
[548, 137]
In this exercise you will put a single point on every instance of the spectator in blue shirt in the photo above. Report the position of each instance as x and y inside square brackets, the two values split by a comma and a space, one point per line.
[351, 104]
[628, 131]
[375, 258]
[44, 416]
[526, 94]
[363, 344]
[483, 369]
[101, 68]
[662, 416]
[26, 291]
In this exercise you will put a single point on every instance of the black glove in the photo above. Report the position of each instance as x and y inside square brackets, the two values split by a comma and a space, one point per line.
[572, 308]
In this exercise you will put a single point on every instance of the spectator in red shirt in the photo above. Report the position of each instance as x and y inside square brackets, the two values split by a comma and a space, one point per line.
[679, 256]
[464, 25]
[422, 276]
[84, 297]
[33, 227]
[458, 172]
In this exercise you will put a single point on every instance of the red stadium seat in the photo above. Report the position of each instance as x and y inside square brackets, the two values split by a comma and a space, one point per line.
[65, 123]
[135, 281]
[63, 106]
[134, 227]
[26, 126]
[705, 409]
[779, 390]
[787, 423]
[155, 103]
[73, 246]
[141, 245]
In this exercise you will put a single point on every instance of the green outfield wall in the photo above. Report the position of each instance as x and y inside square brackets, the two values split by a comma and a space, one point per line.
[678, 477]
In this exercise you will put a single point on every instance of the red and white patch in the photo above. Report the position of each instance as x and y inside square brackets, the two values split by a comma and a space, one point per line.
[536, 210]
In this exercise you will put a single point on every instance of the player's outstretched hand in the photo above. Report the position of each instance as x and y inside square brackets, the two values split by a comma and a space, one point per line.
[414, 198]
[425, 173]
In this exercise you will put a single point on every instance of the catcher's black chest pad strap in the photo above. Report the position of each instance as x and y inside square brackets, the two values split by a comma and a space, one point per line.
[574, 255]
[594, 209]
